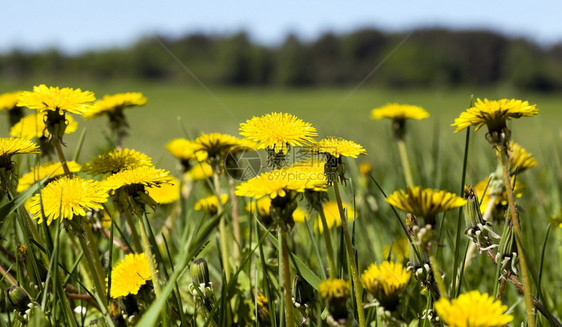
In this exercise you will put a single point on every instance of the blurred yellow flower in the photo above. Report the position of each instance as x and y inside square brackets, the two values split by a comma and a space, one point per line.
[472, 309]
[33, 125]
[519, 159]
[386, 280]
[279, 182]
[185, 150]
[493, 113]
[333, 288]
[45, 98]
[113, 103]
[10, 146]
[9, 100]
[365, 168]
[399, 248]
[210, 204]
[200, 171]
[215, 145]
[140, 176]
[277, 130]
[165, 193]
[129, 275]
[54, 169]
[397, 111]
[332, 213]
[500, 199]
[67, 197]
[116, 161]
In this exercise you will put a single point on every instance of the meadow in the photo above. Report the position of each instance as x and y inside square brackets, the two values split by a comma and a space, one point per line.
[436, 156]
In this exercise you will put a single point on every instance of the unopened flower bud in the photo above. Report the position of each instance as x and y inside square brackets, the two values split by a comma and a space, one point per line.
[18, 298]
[200, 272]
[303, 292]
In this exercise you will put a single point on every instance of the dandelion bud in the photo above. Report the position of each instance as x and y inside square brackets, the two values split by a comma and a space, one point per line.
[477, 229]
[200, 272]
[18, 298]
[507, 255]
[303, 293]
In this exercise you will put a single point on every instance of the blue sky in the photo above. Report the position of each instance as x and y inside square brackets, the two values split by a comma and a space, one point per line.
[76, 26]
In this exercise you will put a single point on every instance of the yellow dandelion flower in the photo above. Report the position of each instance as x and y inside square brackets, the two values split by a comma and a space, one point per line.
[140, 176]
[399, 112]
[519, 159]
[365, 168]
[501, 197]
[33, 125]
[129, 275]
[10, 146]
[332, 214]
[385, 280]
[399, 248]
[277, 130]
[200, 172]
[263, 205]
[67, 197]
[336, 146]
[494, 113]
[54, 169]
[472, 309]
[9, 100]
[333, 288]
[185, 150]
[116, 161]
[113, 103]
[215, 144]
[424, 203]
[280, 182]
[165, 193]
[299, 215]
[210, 204]
[45, 98]
[262, 305]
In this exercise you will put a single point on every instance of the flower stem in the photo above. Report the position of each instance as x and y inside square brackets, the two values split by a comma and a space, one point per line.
[222, 230]
[93, 249]
[437, 275]
[405, 162]
[289, 314]
[150, 258]
[134, 234]
[62, 159]
[328, 239]
[235, 221]
[351, 255]
[88, 255]
[514, 216]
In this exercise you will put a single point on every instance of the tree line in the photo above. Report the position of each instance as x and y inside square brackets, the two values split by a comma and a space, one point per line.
[420, 58]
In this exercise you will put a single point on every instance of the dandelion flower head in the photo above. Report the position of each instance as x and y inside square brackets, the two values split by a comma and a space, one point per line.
[277, 130]
[472, 309]
[493, 113]
[67, 197]
[112, 103]
[398, 112]
[130, 274]
[66, 99]
[116, 161]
